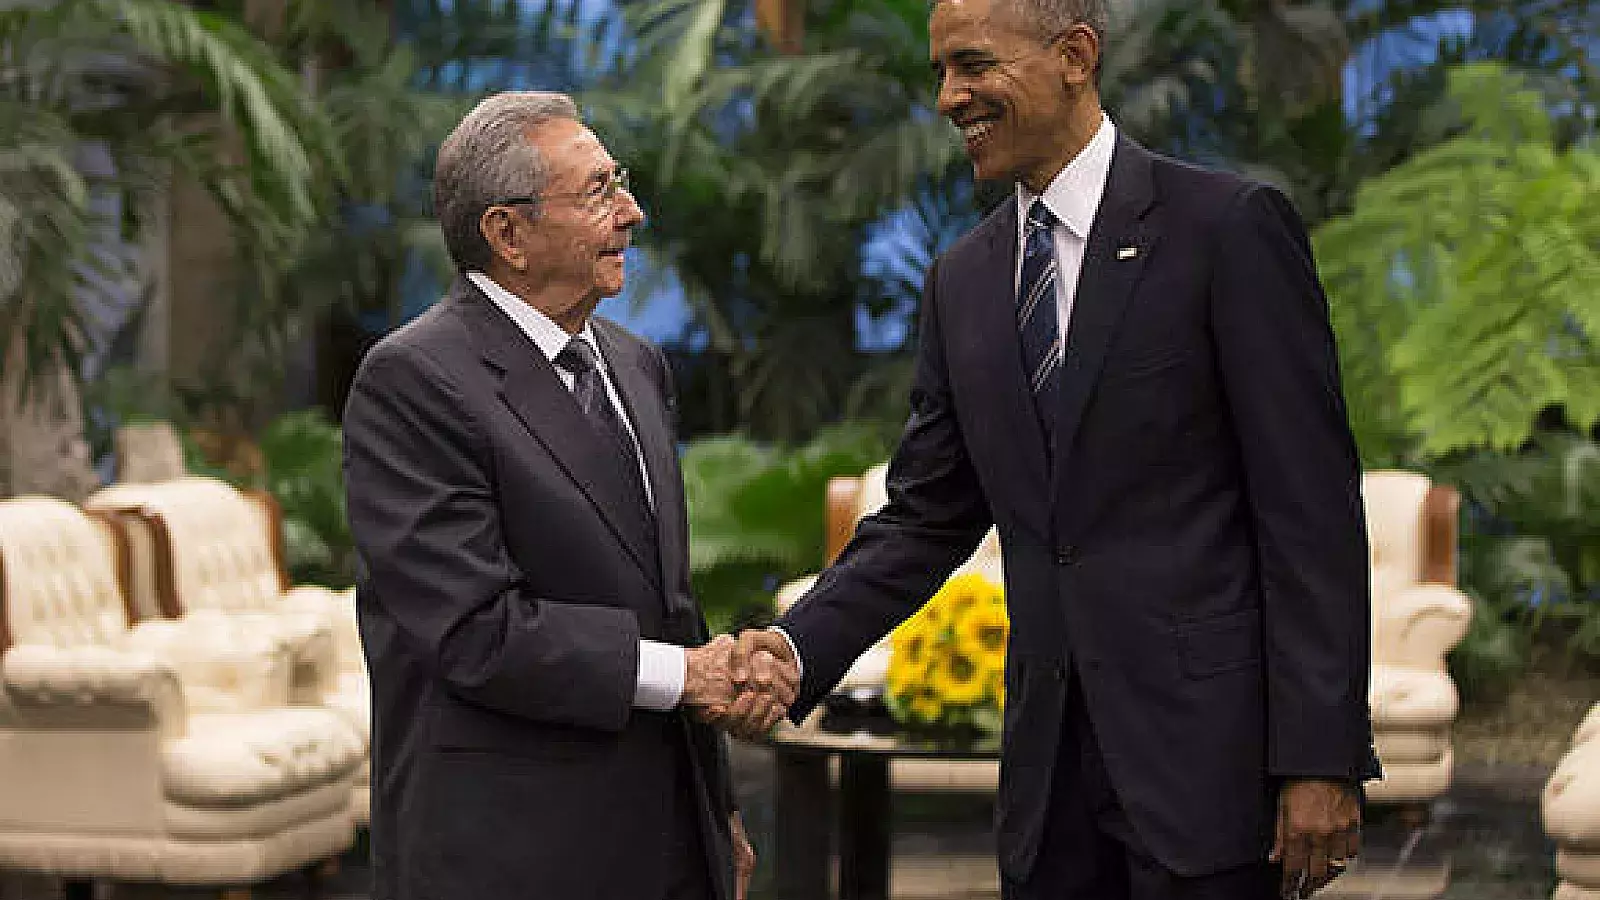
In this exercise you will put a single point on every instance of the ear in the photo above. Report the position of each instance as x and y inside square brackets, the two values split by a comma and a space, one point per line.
[499, 228]
[1080, 55]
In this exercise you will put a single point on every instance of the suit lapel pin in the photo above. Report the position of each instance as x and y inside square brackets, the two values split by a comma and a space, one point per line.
[1127, 253]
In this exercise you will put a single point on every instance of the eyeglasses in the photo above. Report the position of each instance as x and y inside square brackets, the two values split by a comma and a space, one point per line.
[601, 198]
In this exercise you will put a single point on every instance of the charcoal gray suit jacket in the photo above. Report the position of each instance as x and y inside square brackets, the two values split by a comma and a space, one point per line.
[508, 574]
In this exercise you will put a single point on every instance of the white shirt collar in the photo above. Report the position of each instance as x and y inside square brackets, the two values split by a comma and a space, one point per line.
[550, 338]
[1074, 194]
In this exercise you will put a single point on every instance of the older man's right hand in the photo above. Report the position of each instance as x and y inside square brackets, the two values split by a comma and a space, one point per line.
[708, 687]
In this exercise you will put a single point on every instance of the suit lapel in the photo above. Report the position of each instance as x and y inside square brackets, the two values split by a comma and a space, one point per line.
[533, 391]
[988, 308]
[1119, 247]
[648, 414]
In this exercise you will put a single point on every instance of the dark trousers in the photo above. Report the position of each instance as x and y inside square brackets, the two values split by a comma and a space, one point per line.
[1090, 850]
[688, 867]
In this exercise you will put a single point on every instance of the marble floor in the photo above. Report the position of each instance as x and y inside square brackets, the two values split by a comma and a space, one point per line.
[1484, 842]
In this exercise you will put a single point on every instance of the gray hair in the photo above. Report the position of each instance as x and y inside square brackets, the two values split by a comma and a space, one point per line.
[488, 157]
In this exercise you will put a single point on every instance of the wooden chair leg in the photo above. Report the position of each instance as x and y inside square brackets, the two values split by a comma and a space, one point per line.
[1414, 816]
[235, 893]
[317, 876]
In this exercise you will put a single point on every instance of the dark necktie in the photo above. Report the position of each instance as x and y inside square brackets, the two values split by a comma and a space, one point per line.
[589, 389]
[1037, 315]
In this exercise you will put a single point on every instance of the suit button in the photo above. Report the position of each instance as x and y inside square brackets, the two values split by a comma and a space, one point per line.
[1066, 556]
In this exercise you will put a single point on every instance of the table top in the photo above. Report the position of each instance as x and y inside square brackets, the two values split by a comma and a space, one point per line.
[788, 739]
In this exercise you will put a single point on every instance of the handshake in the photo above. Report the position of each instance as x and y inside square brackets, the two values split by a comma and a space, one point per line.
[744, 685]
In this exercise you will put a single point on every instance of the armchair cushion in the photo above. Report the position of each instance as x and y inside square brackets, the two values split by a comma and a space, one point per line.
[223, 666]
[228, 759]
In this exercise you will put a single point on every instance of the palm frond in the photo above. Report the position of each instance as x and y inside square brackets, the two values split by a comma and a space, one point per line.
[1461, 284]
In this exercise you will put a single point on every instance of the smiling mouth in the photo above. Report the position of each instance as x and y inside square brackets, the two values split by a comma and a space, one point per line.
[977, 131]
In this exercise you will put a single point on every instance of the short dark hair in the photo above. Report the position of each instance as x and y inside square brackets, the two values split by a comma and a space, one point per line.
[1052, 17]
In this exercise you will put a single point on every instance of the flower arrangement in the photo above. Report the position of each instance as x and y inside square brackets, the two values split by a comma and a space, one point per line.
[947, 663]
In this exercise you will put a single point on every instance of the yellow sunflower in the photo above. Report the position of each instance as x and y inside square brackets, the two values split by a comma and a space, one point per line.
[983, 630]
[913, 642]
[925, 706]
[960, 679]
[907, 675]
[994, 678]
[960, 595]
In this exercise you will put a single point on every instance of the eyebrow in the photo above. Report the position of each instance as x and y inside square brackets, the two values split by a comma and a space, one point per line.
[964, 55]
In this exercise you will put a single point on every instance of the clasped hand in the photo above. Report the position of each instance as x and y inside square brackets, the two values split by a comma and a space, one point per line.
[743, 686]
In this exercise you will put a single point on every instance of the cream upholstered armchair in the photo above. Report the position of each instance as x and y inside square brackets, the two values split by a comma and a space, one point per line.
[1571, 807]
[151, 753]
[1418, 615]
[202, 550]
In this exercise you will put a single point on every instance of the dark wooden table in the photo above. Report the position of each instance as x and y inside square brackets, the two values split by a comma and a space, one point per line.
[805, 807]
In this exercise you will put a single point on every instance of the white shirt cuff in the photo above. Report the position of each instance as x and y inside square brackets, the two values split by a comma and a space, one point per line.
[662, 669]
[799, 664]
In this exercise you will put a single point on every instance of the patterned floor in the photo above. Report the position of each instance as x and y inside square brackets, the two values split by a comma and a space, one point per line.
[1484, 843]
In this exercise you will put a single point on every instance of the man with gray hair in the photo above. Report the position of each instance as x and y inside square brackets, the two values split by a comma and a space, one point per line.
[541, 675]
[1128, 369]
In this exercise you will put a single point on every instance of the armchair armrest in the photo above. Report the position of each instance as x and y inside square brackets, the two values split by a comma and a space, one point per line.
[1417, 626]
[790, 592]
[310, 638]
[1589, 728]
[223, 668]
[338, 610]
[843, 491]
[1570, 803]
[37, 676]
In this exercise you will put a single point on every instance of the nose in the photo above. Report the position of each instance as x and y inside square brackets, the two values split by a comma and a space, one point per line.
[952, 95]
[629, 213]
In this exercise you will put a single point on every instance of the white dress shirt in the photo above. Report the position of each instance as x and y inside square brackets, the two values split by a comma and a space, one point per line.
[1074, 196]
[662, 666]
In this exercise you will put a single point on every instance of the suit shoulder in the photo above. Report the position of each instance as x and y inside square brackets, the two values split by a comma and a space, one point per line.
[622, 336]
[424, 341]
[976, 239]
[1195, 185]
[624, 340]
[1215, 198]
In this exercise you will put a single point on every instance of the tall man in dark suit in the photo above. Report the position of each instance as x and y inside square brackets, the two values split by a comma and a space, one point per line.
[1128, 368]
[524, 601]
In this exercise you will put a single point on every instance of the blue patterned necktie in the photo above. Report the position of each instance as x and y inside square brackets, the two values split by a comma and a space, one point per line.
[1037, 320]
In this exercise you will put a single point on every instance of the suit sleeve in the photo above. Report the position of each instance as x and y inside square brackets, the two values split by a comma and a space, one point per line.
[934, 519]
[427, 529]
[1279, 368]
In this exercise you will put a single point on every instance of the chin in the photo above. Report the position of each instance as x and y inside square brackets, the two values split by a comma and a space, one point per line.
[988, 166]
